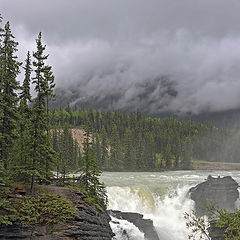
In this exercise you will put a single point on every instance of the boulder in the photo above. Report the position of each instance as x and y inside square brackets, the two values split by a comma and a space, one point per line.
[219, 192]
[144, 225]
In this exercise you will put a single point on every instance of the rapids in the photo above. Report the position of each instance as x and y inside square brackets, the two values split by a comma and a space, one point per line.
[160, 196]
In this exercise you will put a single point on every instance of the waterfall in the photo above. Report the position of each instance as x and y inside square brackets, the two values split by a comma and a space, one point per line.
[125, 230]
[167, 212]
[159, 196]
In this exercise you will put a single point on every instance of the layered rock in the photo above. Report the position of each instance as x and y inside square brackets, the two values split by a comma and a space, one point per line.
[144, 225]
[220, 192]
[90, 224]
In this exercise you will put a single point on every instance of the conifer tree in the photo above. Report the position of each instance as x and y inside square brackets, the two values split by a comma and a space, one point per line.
[9, 86]
[97, 149]
[115, 150]
[42, 153]
[91, 172]
[21, 157]
[167, 156]
[187, 151]
[104, 161]
[5, 209]
[129, 154]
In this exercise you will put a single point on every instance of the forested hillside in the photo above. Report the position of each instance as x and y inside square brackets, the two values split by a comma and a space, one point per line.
[133, 142]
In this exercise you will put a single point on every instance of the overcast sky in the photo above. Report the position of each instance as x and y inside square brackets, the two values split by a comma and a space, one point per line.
[122, 46]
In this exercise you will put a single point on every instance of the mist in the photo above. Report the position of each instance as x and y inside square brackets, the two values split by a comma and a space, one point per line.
[156, 56]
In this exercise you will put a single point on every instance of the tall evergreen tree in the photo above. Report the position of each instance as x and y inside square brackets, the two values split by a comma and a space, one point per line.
[42, 152]
[116, 154]
[25, 95]
[104, 161]
[91, 172]
[21, 157]
[9, 86]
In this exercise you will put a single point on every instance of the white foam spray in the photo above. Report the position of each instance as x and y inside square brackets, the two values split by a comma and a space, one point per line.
[125, 230]
[167, 212]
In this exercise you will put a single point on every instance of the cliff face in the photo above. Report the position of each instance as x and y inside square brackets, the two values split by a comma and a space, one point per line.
[90, 224]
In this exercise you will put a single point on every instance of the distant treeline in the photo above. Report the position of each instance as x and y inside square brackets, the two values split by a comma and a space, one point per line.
[133, 142]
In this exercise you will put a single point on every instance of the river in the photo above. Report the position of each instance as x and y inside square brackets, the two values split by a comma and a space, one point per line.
[160, 196]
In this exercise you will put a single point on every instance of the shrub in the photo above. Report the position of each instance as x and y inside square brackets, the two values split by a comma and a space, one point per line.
[44, 209]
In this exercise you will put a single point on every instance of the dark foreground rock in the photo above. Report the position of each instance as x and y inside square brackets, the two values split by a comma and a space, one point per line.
[220, 192]
[144, 225]
[91, 224]
[216, 233]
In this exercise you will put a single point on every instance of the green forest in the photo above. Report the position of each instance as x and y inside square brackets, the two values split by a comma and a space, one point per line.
[133, 142]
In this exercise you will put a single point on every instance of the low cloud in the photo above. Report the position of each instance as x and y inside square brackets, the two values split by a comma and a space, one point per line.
[156, 56]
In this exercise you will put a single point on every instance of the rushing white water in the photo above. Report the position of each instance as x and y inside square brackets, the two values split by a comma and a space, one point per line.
[162, 197]
[125, 230]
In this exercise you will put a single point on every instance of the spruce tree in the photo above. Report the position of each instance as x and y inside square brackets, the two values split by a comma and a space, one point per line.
[92, 172]
[9, 99]
[5, 208]
[21, 157]
[116, 155]
[42, 152]
[104, 160]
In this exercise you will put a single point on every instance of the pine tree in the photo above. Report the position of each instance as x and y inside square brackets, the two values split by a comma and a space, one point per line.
[9, 86]
[21, 159]
[97, 149]
[91, 172]
[5, 208]
[104, 161]
[42, 152]
[115, 150]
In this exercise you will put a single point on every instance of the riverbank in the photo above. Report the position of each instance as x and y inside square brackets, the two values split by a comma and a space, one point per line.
[204, 165]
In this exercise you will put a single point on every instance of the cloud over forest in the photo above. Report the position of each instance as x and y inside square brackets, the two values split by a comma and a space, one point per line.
[179, 56]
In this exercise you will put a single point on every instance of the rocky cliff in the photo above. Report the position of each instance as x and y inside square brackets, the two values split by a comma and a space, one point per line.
[90, 224]
[220, 192]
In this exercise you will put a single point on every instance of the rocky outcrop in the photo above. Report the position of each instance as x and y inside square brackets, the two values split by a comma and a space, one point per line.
[144, 225]
[220, 192]
[90, 224]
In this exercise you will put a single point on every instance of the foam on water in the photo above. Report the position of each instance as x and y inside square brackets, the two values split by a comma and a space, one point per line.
[125, 230]
[167, 213]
